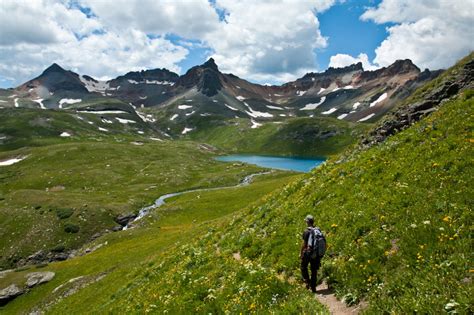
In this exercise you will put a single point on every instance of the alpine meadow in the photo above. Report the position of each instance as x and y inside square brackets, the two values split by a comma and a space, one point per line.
[236, 157]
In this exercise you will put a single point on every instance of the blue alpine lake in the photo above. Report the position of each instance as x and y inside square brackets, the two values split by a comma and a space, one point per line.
[298, 164]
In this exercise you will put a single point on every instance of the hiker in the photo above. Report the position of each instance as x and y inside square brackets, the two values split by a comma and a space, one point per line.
[312, 250]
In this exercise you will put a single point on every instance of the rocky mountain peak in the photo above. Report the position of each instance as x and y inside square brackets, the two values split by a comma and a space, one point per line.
[54, 68]
[210, 64]
[351, 68]
[206, 77]
[402, 66]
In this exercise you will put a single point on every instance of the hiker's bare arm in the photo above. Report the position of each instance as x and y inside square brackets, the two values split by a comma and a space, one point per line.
[303, 246]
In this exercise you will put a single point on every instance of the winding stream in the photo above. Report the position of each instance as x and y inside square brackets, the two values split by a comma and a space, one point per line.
[161, 200]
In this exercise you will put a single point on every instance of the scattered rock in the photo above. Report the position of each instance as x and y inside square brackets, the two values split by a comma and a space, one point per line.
[117, 228]
[60, 256]
[95, 236]
[36, 278]
[9, 293]
[56, 188]
[124, 219]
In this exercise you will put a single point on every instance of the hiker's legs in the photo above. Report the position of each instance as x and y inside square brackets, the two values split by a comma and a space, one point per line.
[304, 269]
[314, 273]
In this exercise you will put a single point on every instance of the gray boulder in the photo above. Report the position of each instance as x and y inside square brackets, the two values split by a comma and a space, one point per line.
[9, 293]
[36, 278]
[124, 219]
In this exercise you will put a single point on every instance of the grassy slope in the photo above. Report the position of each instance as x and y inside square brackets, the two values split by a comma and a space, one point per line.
[127, 253]
[398, 220]
[297, 136]
[99, 180]
[22, 127]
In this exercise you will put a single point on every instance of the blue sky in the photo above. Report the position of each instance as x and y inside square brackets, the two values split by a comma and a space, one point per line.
[347, 33]
[262, 41]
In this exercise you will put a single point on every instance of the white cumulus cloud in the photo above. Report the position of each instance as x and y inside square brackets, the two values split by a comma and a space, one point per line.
[36, 33]
[190, 19]
[344, 60]
[433, 34]
[268, 40]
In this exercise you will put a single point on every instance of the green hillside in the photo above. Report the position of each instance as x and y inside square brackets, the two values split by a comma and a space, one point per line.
[87, 184]
[397, 215]
[398, 220]
[318, 136]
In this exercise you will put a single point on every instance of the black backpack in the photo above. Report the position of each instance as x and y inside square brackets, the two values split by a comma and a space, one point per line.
[316, 243]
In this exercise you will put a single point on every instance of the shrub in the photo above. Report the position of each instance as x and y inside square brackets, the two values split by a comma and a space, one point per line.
[64, 213]
[71, 228]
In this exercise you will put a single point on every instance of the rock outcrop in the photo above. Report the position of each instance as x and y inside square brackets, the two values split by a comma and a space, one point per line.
[406, 115]
[36, 278]
[32, 279]
[9, 293]
[124, 219]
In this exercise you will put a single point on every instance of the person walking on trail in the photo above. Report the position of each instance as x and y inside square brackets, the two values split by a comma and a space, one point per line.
[312, 250]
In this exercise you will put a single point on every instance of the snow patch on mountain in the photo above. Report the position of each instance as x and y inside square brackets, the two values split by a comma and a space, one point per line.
[186, 130]
[313, 106]
[65, 134]
[159, 82]
[356, 104]
[367, 117]
[380, 99]
[103, 129]
[184, 106]
[174, 117]
[342, 116]
[230, 107]
[92, 86]
[274, 107]
[125, 121]
[329, 111]
[102, 112]
[40, 102]
[240, 98]
[255, 124]
[189, 114]
[16, 102]
[68, 101]
[12, 161]
[254, 113]
[301, 93]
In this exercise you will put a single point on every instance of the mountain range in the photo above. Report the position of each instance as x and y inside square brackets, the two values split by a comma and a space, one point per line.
[204, 97]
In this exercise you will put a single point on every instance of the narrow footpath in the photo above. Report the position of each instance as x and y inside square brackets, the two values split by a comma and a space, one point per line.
[326, 297]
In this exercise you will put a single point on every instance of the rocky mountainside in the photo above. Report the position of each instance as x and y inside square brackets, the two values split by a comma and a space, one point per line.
[425, 101]
[204, 96]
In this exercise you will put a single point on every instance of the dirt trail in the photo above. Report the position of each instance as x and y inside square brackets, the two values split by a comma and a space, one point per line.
[326, 297]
